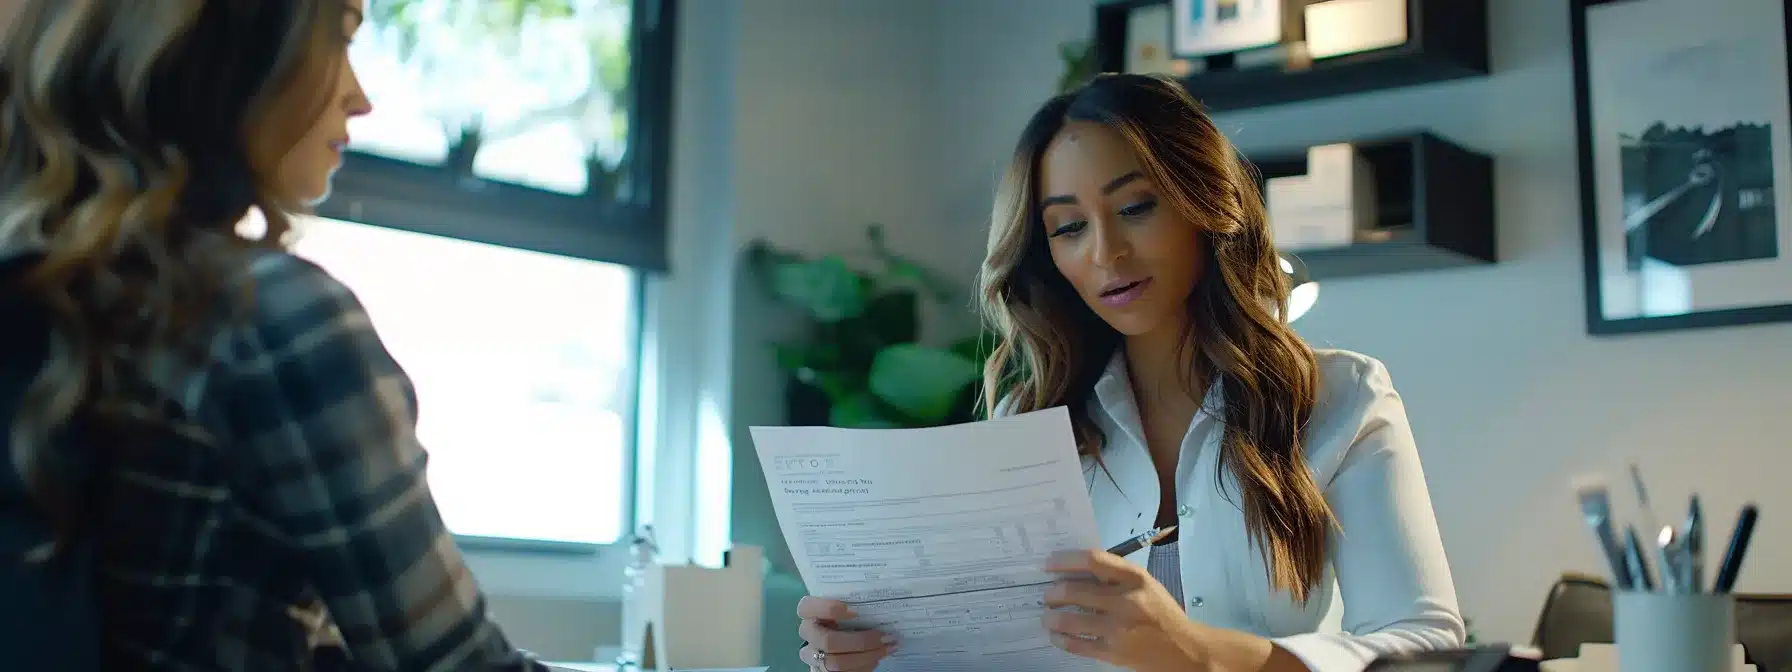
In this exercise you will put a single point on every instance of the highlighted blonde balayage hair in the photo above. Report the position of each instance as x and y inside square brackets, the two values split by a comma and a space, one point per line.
[1051, 348]
[134, 136]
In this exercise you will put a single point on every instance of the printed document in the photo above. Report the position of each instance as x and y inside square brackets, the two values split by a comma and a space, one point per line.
[938, 536]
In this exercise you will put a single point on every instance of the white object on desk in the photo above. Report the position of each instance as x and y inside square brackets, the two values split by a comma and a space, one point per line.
[1604, 658]
[689, 617]
[904, 523]
[1325, 207]
[1339, 27]
[1675, 632]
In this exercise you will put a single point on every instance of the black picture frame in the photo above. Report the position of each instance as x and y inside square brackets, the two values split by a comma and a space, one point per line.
[629, 229]
[1723, 160]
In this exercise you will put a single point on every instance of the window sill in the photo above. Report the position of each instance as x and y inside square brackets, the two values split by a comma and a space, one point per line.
[527, 546]
[550, 571]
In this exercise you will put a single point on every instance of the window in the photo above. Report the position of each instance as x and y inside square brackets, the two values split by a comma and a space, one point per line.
[496, 213]
[536, 124]
[525, 366]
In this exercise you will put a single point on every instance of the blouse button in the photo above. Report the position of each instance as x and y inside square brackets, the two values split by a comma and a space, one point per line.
[1183, 511]
[1197, 602]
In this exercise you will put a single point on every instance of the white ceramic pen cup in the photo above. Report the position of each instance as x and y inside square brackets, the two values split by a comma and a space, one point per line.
[1674, 632]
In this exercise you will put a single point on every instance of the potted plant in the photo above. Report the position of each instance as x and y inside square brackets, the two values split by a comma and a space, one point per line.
[858, 361]
[1078, 58]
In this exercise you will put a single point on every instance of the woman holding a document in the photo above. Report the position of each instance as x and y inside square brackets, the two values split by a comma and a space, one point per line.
[1132, 279]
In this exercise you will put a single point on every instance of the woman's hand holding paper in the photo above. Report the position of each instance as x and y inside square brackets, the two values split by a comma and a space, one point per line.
[1106, 608]
[835, 650]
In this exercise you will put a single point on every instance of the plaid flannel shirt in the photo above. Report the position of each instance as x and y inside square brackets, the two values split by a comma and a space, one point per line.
[291, 509]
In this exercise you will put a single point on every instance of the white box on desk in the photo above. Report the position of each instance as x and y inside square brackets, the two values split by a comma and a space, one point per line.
[694, 617]
[1325, 207]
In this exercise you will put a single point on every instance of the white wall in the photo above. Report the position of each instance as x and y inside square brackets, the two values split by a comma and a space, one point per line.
[1507, 393]
[831, 116]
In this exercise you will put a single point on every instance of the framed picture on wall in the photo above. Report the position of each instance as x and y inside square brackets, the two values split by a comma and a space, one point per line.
[1207, 27]
[1685, 125]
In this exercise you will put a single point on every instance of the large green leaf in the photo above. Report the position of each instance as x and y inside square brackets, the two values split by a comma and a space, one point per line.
[791, 358]
[887, 319]
[839, 385]
[924, 383]
[825, 288]
[859, 411]
[901, 269]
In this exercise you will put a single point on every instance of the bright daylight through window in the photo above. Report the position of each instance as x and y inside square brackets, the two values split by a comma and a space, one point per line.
[529, 92]
[524, 365]
[501, 127]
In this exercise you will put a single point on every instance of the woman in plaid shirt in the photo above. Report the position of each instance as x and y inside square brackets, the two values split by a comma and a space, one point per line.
[209, 421]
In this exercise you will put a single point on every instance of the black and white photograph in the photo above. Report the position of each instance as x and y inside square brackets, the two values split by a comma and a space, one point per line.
[1686, 163]
[1693, 196]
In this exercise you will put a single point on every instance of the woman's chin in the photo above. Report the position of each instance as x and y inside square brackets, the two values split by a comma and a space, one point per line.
[315, 196]
[1142, 322]
[1130, 325]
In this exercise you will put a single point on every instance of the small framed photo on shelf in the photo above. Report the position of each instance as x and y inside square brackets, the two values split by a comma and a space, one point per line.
[1208, 27]
[1148, 43]
[1685, 162]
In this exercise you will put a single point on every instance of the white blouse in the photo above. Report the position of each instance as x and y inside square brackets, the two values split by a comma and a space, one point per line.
[1387, 564]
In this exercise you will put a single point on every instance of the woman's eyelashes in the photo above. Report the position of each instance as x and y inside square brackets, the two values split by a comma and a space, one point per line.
[1135, 211]
[1069, 228]
[1139, 209]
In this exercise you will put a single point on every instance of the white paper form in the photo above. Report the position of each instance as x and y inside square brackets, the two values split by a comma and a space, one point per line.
[938, 536]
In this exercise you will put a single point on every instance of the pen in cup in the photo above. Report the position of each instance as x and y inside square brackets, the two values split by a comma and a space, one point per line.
[1138, 543]
[1640, 577]
[1667, 545]
[1650, 521]
[1694, 548]
[1596, 507]
[1732, 562]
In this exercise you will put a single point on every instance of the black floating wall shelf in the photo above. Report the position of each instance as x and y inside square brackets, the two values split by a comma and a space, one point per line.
[1447, 39]
[1434, 207]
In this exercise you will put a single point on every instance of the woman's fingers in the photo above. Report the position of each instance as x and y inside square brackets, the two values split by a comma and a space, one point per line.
[1077, 624]
[833, 641]
[823, 609]
[1081, 646]
[836, 650]
[1105, 567]
[862, 661]
[1087, 595]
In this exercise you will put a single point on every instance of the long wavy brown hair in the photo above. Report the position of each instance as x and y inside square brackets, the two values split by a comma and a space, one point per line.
[1052, 348]
[134, 137]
